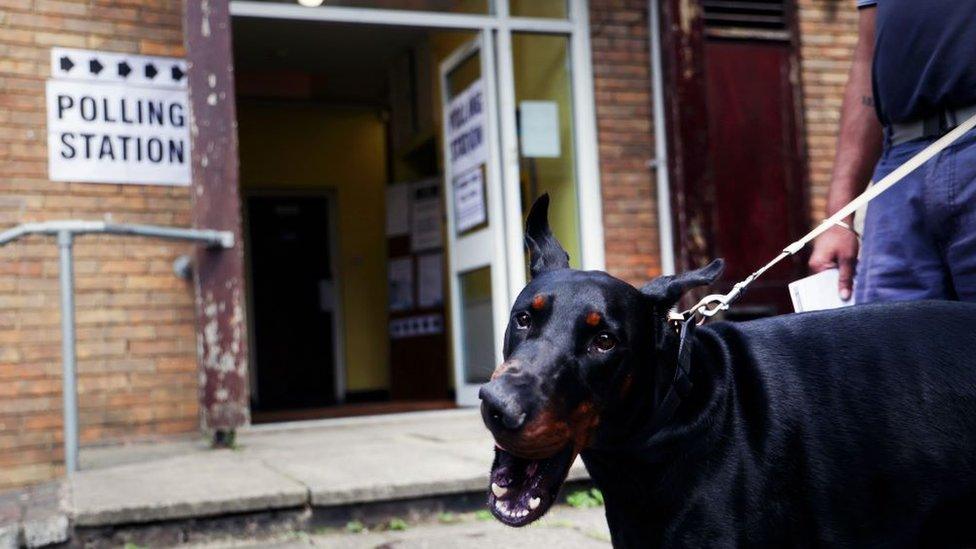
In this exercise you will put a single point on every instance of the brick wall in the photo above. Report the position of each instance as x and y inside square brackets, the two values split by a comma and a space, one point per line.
[136, 341]
[828, 34]
[137, 369]
[622, 82]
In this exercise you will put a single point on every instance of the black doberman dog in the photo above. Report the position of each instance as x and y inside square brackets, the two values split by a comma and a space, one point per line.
[853, 427]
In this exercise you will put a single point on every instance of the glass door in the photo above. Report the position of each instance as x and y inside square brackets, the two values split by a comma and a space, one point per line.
[475, 221]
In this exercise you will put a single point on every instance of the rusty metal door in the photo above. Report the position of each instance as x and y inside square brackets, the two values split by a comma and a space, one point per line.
[747, 200]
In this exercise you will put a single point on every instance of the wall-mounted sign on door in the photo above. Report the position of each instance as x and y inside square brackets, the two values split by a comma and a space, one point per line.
[466, 134]
[469, 200]
[117, 118]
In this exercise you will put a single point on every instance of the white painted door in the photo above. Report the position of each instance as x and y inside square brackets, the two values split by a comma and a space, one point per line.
[475, 215]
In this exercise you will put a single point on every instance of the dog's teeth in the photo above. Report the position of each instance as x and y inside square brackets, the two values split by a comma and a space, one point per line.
[498, 490]
[534, 503]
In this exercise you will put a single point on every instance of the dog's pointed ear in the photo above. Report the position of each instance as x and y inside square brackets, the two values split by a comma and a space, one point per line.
[545, 252]
[665, 291]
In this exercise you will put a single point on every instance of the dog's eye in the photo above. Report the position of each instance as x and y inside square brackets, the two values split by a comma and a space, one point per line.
[604, 342]
[523, 320]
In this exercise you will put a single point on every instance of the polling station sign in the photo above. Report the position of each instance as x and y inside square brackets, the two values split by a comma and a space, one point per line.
[466, 131]
[116, 118]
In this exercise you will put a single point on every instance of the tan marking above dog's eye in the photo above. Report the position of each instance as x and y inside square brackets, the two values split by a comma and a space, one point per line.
[538, 302]
[593, 318]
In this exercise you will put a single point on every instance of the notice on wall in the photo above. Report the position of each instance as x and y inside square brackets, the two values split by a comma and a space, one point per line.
[466, 132]
[469, 200]
[430, 280]
[425, 215]
[117, 118]
[539, 129]
[415, 326]
[398, 209]
[400, 280]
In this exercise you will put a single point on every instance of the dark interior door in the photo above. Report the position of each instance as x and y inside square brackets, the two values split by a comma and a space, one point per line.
[292, 287]
[754, 172]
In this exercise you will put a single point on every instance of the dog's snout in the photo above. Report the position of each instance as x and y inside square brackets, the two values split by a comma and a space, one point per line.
[500, 407]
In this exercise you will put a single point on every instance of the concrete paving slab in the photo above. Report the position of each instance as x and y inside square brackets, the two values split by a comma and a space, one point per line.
[36, 516]
[100, 457]
[45, 520]
[322, 463]
[426, 455]
[201, 484]
[9, 536]
[562, 527]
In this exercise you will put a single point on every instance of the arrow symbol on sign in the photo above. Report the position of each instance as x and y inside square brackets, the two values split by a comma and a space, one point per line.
[66, 64]
[151, 71]
[95, 67]
[177, 73]
[124, 69]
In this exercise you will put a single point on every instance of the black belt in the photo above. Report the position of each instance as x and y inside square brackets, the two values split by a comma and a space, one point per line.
[933, 126]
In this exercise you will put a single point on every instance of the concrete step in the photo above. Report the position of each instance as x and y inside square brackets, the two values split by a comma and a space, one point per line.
[35, 517]
[302, 474]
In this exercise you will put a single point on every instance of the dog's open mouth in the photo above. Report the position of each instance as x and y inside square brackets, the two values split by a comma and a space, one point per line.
[522, 490]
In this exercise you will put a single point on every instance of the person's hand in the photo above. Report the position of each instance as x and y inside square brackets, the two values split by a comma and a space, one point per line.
[836, 248]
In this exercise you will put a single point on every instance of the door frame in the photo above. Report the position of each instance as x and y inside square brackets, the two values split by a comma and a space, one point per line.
[470, 251]
[331, 194]
[682, 67]
[501, 25]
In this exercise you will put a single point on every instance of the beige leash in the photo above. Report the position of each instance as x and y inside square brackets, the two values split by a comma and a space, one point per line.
[710, 305]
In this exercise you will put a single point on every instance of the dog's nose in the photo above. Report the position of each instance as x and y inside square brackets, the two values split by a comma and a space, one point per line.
[499, 407]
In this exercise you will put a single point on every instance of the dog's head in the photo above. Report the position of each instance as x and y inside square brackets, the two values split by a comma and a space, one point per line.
[578, 345]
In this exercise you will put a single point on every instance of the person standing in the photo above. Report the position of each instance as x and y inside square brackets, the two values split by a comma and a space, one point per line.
[913, 80]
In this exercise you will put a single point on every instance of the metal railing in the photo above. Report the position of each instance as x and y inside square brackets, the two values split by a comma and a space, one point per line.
[66, 231]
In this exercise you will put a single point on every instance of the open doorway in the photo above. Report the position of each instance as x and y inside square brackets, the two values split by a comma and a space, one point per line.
[348, 313]
[294, 312]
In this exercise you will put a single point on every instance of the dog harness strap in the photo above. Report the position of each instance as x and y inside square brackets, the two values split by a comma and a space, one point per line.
[682, 373]
[680, 386]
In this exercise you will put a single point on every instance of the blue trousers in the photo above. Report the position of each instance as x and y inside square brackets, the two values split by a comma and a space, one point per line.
[919, 237]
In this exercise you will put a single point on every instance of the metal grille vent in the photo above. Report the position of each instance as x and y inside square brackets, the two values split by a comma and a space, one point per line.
[758, 15]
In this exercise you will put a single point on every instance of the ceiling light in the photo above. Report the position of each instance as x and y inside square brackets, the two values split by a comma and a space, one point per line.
[311, 3]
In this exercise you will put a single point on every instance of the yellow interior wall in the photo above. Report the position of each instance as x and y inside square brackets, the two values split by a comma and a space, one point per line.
[291, 145]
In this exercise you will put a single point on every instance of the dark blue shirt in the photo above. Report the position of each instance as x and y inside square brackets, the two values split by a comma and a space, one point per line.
[924, 57]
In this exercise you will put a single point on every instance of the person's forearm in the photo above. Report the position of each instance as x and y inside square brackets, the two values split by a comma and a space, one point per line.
[859, 142]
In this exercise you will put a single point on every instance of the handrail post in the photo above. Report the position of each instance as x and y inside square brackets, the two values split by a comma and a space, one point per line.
[68, 360]
[66, 230]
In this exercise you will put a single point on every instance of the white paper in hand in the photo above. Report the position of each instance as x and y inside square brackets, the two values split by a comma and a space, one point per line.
[818, 292]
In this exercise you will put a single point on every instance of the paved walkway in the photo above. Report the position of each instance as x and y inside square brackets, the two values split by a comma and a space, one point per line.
[561, 527]
[321, 463]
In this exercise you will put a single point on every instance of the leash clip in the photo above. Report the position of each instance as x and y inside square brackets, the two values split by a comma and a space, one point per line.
[708, 307]
[676, 319]
[713, 304]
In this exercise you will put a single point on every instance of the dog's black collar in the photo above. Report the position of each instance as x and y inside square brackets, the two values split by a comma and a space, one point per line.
[681, 384]
[678, 390]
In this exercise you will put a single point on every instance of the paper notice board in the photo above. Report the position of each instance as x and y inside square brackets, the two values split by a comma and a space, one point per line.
[425, 216]
[470, 209]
